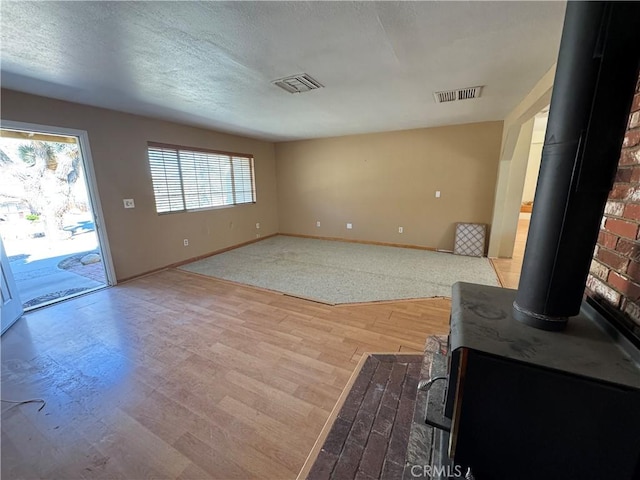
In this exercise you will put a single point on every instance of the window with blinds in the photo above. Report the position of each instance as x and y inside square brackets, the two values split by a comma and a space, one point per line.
[187, 179]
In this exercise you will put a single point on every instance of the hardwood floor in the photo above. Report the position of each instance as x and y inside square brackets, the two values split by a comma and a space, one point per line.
[508, 269]
[178, 376]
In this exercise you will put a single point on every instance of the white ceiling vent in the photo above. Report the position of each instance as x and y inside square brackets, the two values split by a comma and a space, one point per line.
[460, 94]
[298, 83]
[446, 96]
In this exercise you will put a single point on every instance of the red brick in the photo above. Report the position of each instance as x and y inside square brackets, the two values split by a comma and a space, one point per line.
[619, 191]
[622, 228]
[629, 289]
[599, 270]
[634, 120]
[614, 209]
[628, 248]
[628, 318]
[612, 259]
[607, 240]
[631, 138]
[632, 212]
[632, 309]
[633, 270]
[636, 102]
[630, 157]
[623, 175]
[600, 289]
[633, 195]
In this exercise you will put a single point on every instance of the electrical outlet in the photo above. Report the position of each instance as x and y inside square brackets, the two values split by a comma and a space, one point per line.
[258, 226]
[349, 226]
[437, 193]
[128, 203]
[186, 242]
[317, 223]
[400, 229]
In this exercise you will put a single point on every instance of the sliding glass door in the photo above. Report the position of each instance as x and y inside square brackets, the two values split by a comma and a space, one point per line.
[50, 221]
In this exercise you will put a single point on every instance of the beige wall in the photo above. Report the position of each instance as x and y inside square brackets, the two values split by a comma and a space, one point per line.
[533, 167]
[382, 181]
[509, 199]
[140, 239]
[511, 174]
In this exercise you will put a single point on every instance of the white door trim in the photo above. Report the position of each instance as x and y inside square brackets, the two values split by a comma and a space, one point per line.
[90, 177]
[10, 304]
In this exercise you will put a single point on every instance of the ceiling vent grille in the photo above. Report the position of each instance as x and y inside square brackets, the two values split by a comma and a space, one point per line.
[446, 96]
[298, 83]
[455, 95]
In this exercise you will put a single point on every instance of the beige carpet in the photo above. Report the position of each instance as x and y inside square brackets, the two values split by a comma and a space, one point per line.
[342, 272]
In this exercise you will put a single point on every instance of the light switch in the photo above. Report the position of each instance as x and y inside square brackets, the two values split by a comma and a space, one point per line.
[128, 203]
[437, 193]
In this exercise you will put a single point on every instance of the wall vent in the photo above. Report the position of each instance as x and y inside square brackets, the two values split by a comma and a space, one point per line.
[298, 83]
[455, 95]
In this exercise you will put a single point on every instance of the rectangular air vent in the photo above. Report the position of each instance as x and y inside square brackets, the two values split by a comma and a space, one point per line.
[446, 96]
[298, 83]
[460, 94]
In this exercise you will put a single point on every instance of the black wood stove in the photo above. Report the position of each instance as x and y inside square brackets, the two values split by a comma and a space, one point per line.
[534, 404]
[539, 384]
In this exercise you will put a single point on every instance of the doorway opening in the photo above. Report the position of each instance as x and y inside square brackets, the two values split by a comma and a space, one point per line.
[49, 214]
[509, 269]
[530, 182]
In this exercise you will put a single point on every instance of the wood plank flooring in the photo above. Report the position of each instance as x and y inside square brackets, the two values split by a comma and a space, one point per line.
[508, 269]
[178, 376]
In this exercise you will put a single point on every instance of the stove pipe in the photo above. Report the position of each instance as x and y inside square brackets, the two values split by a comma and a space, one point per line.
[597, 71]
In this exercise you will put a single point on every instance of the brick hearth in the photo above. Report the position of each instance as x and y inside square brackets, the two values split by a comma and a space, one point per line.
[370, 434]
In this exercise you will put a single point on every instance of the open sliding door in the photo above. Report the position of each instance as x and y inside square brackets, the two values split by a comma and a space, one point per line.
[51, 221]
[10, 304]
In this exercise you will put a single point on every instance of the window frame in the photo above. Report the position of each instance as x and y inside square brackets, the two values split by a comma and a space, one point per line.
[184, 189]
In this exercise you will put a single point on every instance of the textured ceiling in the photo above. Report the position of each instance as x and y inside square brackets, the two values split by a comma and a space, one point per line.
[211, 64]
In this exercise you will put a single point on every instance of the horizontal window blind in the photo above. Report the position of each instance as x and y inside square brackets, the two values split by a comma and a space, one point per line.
[187, 179]
[167, 182]
[244, 186]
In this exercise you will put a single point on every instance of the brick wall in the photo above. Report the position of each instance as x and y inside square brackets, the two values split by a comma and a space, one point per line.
[615, 270]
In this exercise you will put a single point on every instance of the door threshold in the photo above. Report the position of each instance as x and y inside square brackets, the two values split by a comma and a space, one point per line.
[62, 298]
